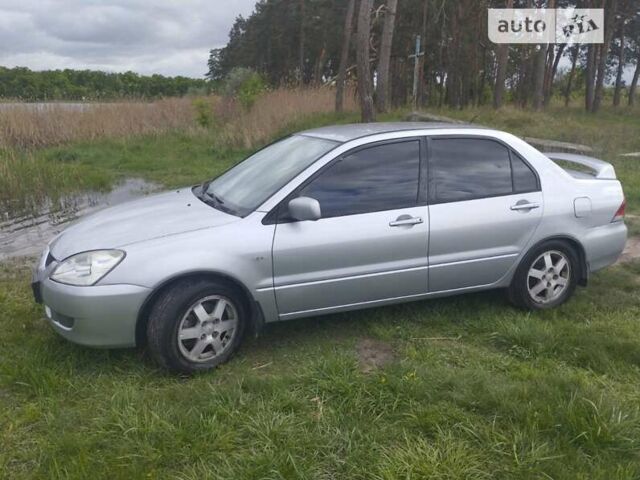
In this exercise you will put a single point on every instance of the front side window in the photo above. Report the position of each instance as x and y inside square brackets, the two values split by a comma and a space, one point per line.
[377, 178]
[469, 168]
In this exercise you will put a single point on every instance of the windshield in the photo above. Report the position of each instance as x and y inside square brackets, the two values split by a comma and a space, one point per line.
[247, 185]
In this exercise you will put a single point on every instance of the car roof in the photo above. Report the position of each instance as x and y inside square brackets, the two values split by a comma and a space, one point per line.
[352, 131]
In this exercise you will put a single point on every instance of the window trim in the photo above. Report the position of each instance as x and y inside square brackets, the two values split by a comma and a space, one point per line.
[431, 191]
[273, 217]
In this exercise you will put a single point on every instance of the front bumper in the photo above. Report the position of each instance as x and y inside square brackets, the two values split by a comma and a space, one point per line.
[96, 316]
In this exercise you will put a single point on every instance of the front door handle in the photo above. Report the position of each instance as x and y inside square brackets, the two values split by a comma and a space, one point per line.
[404, 220]
[525, 206]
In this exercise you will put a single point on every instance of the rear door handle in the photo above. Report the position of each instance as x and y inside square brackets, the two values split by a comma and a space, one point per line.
[404, 220]
[525, 206]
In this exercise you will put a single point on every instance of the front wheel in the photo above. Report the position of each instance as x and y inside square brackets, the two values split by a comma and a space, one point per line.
[546, 277]
[196, 325]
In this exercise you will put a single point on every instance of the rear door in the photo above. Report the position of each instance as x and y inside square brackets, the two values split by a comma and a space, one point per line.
[371, 243]
[485, 204]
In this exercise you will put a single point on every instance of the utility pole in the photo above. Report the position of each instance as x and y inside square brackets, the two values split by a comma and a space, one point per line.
[416, 69]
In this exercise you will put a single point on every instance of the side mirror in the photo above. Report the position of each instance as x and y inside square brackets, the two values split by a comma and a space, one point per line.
[304, 208]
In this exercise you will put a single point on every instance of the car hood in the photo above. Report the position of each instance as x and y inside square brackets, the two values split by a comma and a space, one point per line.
[150, 217]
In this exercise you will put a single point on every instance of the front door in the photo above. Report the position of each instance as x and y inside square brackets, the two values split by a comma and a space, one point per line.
[485, 204]
[371, 242]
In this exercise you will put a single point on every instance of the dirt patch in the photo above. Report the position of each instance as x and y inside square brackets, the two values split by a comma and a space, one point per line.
[631, 250]
[373, 354]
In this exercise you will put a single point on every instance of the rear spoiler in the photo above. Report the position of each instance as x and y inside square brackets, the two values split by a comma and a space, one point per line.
[600, 168]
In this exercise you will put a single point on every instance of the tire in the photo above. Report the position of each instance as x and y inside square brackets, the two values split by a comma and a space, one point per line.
[211, 317]
[538, 286]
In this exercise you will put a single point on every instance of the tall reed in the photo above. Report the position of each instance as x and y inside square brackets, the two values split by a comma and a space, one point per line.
[32, 126]
[35, 126]
[273, 111]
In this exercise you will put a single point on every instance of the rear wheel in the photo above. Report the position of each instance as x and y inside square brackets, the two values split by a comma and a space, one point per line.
[546, 277]
[196, 325]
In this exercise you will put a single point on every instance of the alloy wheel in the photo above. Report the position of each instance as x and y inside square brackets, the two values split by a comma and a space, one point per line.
[548, 276]
[208, 328]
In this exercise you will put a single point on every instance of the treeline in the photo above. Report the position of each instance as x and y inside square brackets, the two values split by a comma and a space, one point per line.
[330, 41]
[26, 85]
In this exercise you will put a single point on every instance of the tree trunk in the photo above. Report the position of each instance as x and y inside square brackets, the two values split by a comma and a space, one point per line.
[344, 55]
[524, 74]
[618, 88]
[421, 76]
[604, 51]
[589, 77]
[538, 76]
[382, 88]
[365, 87]
[301, 44]
[552, 74]
[319, 67]
[527, 70]
[542, 70]
[501, 70]
[574, 59]
[483, 76]
[454, 81]
[634, 83]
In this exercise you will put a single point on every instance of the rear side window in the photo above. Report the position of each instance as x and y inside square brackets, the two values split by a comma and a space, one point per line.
[382, 177]
[524, 180]
[468, 168]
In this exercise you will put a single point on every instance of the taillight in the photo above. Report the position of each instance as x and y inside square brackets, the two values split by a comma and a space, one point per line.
[620, 213]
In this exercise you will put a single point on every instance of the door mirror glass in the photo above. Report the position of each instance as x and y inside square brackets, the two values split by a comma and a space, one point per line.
[304, 208]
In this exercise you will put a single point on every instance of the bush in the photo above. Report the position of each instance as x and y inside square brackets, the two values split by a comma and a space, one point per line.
[244, 84]
[203, 112]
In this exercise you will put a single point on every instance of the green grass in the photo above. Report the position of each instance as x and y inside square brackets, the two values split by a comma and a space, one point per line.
[476, 389]
[27, 181]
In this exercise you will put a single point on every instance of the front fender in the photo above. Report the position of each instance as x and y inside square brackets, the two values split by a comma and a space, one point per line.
[239, 251]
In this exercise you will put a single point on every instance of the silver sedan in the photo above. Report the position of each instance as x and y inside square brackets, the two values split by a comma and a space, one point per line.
[329, 220]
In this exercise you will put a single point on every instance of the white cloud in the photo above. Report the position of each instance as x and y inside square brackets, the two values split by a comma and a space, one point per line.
[162, 36]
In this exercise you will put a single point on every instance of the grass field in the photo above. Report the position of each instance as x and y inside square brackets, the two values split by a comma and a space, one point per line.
[465, 387]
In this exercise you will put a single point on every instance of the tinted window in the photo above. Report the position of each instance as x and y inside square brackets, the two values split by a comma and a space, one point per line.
[467, 168]
[383, 177]
[524, 180]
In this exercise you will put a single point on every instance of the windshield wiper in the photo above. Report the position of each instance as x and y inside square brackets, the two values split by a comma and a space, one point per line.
[210, 198]
[213, 196]
[204, 189]
[215, 201]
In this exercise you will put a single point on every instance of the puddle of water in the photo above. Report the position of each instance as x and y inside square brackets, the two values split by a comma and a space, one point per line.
[27, 234]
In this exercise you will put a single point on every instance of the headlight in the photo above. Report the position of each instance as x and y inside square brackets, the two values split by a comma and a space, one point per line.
[86, 268]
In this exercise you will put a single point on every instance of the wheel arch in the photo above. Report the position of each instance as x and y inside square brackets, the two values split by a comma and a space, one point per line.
[256, 317]
[573, 243]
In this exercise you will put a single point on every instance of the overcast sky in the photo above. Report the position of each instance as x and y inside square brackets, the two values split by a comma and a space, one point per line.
[170, 37]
